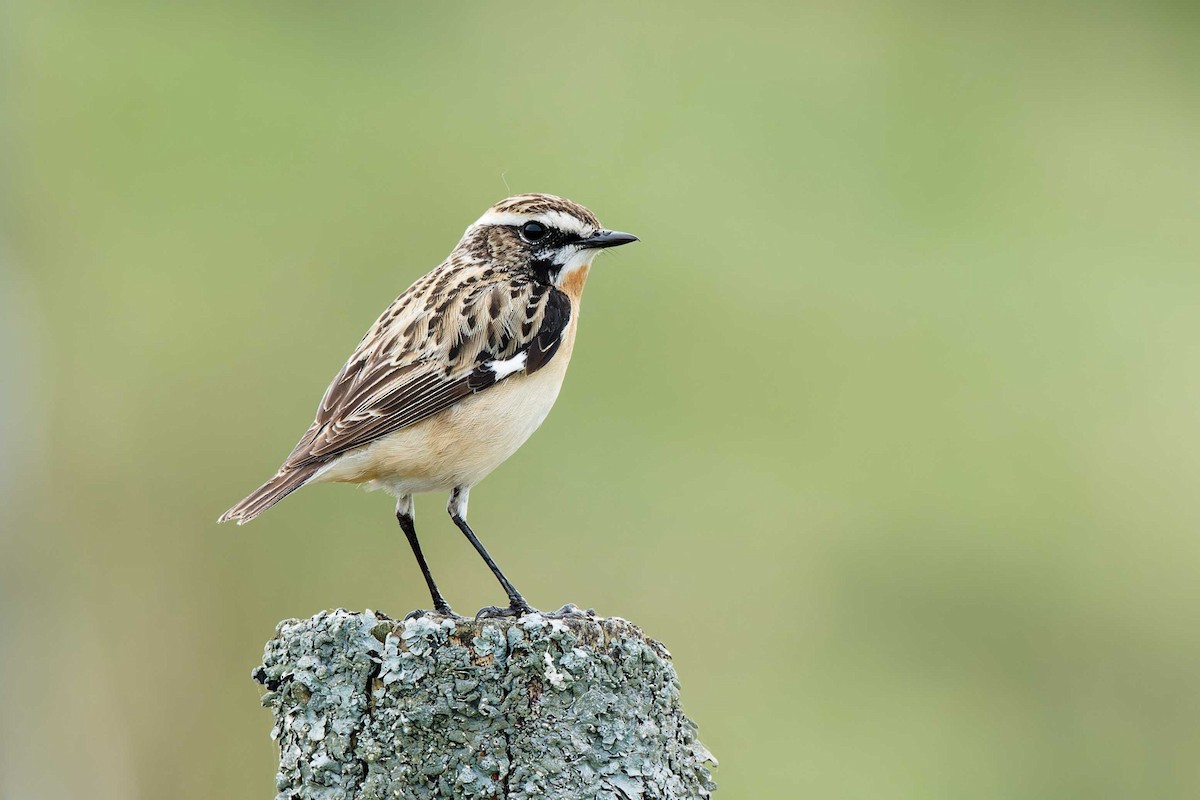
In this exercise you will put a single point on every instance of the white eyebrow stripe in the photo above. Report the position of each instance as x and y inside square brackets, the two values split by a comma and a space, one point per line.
[503, 369]
[554, 219]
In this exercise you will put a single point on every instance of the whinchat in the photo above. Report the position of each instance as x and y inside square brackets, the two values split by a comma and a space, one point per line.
[457, 373]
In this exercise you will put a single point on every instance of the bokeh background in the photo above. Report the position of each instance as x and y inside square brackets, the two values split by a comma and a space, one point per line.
[888, 428]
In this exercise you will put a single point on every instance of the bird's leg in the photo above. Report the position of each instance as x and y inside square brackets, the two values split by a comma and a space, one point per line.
[458, 512]
[405, 516]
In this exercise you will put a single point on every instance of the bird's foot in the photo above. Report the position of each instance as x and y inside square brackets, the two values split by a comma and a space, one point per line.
[518, 608]
[440, 611]
[571, 611]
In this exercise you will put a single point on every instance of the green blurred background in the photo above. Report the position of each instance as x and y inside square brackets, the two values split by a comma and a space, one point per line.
[888, 428]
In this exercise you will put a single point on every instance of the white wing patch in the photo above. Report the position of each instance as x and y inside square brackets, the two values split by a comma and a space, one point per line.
[502, 369]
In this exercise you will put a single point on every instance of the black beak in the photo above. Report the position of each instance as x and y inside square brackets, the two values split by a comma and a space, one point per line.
[604, 238]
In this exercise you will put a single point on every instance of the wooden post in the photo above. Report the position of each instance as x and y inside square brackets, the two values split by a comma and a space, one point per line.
[546, 706]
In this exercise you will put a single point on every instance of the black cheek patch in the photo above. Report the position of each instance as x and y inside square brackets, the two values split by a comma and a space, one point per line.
[544, 270]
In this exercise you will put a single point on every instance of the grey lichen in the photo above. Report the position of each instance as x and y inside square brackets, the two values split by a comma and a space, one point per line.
[540, 707]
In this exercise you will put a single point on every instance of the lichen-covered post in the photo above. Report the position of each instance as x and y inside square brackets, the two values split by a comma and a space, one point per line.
[545, 706]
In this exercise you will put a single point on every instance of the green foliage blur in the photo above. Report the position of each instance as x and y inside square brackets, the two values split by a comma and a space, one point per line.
[887, 428]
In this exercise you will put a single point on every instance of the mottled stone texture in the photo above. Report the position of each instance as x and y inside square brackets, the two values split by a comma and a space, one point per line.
[434, 707]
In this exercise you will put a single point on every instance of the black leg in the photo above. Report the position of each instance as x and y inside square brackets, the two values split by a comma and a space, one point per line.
[458, 506]
[410, 530]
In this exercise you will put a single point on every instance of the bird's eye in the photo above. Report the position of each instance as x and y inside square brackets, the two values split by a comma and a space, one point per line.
[533, 231]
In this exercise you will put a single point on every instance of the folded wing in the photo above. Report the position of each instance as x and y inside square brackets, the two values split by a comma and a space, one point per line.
[423, 357]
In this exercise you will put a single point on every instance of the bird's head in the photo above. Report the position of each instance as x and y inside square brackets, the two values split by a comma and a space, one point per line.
[551, 238]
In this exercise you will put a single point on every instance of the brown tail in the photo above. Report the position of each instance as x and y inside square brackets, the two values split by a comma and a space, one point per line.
[270, 493]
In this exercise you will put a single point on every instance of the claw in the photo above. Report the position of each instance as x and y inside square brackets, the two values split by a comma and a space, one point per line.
[517, 609]
[571, 611]
[443, 612]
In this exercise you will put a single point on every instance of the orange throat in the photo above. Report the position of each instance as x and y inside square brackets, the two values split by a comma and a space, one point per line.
[573, 282]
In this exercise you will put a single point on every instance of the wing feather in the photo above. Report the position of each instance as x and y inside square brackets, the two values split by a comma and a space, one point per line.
[431, 349]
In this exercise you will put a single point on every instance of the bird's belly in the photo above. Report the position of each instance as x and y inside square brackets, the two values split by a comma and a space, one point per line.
[458, 446]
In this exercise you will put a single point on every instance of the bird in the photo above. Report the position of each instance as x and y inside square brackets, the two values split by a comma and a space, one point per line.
[456, 374]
